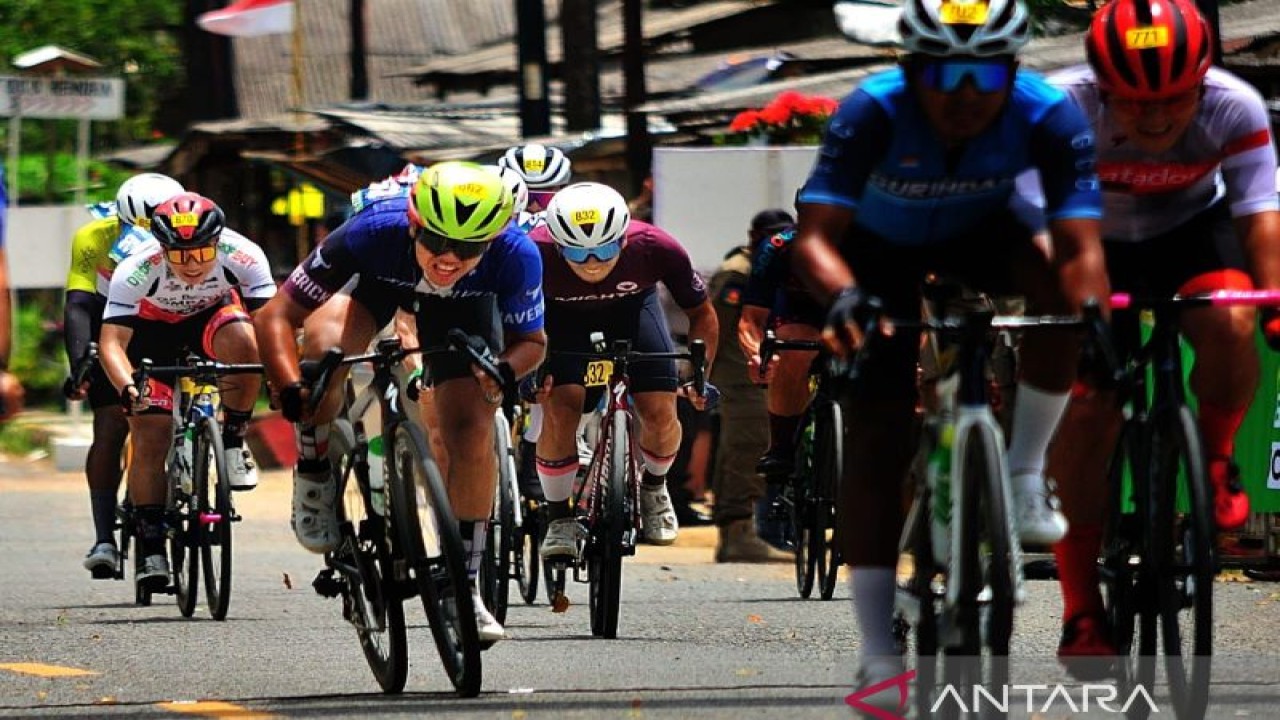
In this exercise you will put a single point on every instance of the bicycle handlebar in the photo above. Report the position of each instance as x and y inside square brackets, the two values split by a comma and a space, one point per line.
[481, 356]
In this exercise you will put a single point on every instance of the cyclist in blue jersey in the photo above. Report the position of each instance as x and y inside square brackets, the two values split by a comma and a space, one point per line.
[915, 175]
[449, 254]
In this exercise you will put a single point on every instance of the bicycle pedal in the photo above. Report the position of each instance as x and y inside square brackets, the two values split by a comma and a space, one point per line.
[327, 584]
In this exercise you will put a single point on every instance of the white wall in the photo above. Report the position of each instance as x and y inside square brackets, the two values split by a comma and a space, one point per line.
[706, 197]
[38, 244]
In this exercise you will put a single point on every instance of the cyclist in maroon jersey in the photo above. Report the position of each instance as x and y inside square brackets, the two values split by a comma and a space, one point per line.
[600, 273]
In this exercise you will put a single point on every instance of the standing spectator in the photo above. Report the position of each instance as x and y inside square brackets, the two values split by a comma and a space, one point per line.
[744, 420]
[10, 389]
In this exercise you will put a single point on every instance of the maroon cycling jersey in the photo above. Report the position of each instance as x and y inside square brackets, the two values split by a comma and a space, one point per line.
[650, 256]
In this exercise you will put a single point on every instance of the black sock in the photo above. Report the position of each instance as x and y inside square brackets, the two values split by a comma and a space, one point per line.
[234, 425]
[150, 529]
[654, 481]
[103, 505]
[558, 510]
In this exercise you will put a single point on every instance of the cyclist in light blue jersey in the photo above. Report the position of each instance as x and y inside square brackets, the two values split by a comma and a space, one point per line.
[915, 176]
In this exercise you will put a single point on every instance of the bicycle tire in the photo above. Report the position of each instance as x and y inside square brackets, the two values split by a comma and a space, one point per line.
[1128, 601]
[801, 531]
[496, 568]
[214, 504]
[917, 630]
[604, 558]
[128, 530]
[430, 535]
[376, 607]
[828, 454]
[184, 552]
[525, 547]
[1182, 549]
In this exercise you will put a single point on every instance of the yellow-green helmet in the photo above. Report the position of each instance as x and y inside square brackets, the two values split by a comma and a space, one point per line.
[461, 201]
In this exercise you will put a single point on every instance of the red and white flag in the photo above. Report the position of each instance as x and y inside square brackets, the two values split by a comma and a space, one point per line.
[249, 18]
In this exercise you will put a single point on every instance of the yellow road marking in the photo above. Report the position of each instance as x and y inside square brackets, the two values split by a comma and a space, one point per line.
[40, 670]
[212, 708]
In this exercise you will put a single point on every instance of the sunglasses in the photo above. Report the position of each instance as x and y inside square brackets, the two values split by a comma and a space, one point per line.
[541, 197]
[441, 245]
[201, 254]
[1175, 103]
[603, 253]
[948, 75]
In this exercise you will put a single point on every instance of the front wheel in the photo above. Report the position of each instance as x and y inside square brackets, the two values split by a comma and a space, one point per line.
[1182, 555]
[525, 547]
[184, 533]
[609, 525]
[213, 492]
[430, 535]
[828, 464]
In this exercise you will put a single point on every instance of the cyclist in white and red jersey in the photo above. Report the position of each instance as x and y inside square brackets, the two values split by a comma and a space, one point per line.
[1187, 167]
[189, 294]
[601, 270]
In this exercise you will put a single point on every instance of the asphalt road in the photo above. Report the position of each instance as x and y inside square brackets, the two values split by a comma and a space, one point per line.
[696, 639]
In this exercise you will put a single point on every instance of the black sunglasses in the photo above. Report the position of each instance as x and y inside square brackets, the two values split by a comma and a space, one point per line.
[441, 245]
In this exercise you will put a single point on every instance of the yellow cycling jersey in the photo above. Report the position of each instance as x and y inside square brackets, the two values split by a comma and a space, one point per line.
[97, 248]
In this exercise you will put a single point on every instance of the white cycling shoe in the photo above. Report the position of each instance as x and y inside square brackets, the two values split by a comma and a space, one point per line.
[1036, 510]
[876, 671]
[660, 525]
[315, 522]
[488, 629]
[242, 472]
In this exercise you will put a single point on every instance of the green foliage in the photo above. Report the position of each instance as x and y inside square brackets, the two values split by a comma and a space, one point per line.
[38, 358]
[33, 173]
[18, 440]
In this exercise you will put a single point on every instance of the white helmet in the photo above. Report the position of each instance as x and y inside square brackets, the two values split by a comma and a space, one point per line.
[515, 183]
[140, 195]
[541, 166]
[587, 215]
[982, 28]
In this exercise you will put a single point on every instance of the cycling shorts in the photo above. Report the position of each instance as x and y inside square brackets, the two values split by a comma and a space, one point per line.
[436, 316]
[167, 344]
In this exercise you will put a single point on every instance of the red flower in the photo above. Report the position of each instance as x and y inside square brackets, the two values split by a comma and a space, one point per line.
[775, 113]
[745, 121]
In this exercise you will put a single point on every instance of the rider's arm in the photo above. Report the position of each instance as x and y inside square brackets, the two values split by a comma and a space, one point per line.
[1249, 173]
[130, 283]
[522, 306]
[115, 362]
[815, 258]
[77, 322]
[248, 264]
[275, 325]
[751, 326]
[704, 325]
[1062, 149]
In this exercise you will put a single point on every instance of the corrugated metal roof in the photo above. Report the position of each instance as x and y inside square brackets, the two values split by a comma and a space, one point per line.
[412, 130]
[658, 22]
[401, 34]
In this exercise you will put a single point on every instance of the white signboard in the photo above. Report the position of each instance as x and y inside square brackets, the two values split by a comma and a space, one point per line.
[68, 97]
[38, 244]
[706, 197]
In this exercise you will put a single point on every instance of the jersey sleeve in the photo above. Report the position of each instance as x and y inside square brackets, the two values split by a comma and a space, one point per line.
[853, 143]
[329, 266]
[87, 253]
[130, 283]
[686, 286]
[520, 298]
[1248, 156]
[770, 263]
[1063, 150]
[248, 264]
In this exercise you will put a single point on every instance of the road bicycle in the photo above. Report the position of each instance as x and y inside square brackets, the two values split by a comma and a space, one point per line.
[1158, 559]
[199, 513]
[399, 534]
[955, 606]
[809, 498]
[607, 502]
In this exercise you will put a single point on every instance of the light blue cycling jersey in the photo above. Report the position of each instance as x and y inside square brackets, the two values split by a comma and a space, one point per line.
[881, 158]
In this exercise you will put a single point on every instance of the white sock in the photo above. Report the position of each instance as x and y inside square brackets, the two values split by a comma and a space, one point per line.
[873, 590]
[1036, 415]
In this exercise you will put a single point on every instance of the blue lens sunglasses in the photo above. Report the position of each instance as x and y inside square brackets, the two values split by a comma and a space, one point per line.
[945, 75]
[603, 253]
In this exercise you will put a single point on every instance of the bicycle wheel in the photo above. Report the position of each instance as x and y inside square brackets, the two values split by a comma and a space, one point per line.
[610, 524]
[496, 569]
[429, 533]
[372, 601]
[184, 553]
[1128, 600]
[213, 499]
[915, 613]
[828, 463]
[525, 547]
[800, 485]
[1182, 555]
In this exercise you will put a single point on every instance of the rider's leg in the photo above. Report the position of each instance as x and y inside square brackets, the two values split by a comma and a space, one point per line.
[659, 440]
[473, 470]
[787, 399]
[557, 465]
[151, 432]
[230, 338]
[102, 468]
[1224, 380]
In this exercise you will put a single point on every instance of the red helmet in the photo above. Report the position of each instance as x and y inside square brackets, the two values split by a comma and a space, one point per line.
[188, 220]
[1149, 49]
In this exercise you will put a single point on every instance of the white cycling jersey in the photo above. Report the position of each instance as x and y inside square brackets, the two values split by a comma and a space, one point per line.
[144, 287]
[1226, 152]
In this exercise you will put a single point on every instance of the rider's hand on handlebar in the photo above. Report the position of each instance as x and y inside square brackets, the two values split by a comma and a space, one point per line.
[133, 401]
[71, 392]
[753, 369]
[850, 312]
[490, 388]
[705, 400]
[292, 399]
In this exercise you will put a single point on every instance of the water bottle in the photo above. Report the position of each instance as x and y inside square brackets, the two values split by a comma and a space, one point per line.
[939, 471]
[377, 476]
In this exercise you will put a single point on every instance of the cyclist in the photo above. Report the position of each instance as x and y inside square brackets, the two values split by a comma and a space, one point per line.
[544, 170]
[97, 247]
[775, 298]
[448, 253]
[1188, 178]
[915, 174]
[601, 271]
[188, 294]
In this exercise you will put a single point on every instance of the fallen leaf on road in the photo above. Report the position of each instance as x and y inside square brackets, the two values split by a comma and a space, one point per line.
[95, 637]
[106, 700]
[288, 582]
[746, 672]
[560, 603]
[41, 695]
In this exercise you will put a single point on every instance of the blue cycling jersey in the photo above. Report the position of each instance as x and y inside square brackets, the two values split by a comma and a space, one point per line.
[376, 243]
[881, 158]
